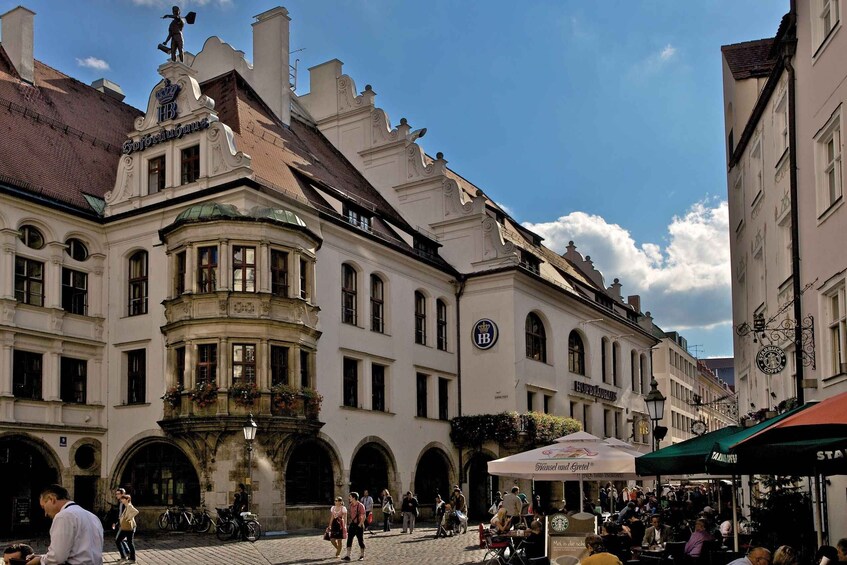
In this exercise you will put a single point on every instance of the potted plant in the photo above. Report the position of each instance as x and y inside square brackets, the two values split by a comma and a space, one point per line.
[283, 396]
[244, 393]
[204, 393]
[312, 400]
[173, 396]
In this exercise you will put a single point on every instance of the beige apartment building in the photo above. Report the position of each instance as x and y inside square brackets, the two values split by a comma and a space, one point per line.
[784, 117]
[236, 249]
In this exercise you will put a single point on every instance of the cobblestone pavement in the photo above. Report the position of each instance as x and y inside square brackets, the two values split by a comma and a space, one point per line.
[305, 548]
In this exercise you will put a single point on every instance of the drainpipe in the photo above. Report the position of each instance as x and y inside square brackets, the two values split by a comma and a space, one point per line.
[789, 47]
[460, 289]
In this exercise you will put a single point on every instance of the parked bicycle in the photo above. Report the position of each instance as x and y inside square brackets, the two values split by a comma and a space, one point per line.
[229, 526]
[168, 519]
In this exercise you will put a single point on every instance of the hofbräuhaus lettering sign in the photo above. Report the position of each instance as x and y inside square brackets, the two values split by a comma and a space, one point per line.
[152, 139]
[595, 391]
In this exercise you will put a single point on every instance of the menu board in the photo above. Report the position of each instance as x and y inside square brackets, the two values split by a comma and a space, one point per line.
[20, 512]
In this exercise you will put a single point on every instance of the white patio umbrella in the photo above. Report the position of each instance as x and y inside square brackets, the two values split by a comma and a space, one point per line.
[578, 456]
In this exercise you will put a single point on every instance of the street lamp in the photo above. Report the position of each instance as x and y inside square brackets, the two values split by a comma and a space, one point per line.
[655, 401]
[249, 430]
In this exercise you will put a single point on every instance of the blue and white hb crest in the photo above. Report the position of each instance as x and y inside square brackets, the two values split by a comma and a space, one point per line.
[167, 101]
[485, 334]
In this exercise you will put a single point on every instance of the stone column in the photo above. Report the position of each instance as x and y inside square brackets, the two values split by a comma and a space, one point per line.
[96, 297]
[53, 278]
[263, 267]
[7, 281]
[6, 354]
[225, 266]
[295, 366]
[263, 368]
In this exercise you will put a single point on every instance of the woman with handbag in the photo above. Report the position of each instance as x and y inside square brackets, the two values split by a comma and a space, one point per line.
[336, 531]
[387, 510]
[126, 523]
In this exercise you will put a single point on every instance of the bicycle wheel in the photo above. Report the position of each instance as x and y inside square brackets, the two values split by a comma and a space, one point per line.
[203, 523]
[163, 521]
[225, 530]
[253, 530]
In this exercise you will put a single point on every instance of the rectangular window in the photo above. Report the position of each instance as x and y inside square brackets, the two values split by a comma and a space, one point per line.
[547, 399]
[29, 281]
[574, 408]
[279, 365]
[243, 268]
[828, 149]
[607, 423]
[179, 273]
[279, 273]
[586, 418]
[26, 375]
[421, 386]
[243, 363]
[207, 269]
[304, 287]
[441, 329]
[530, 400]
[351, 382]
[615, 354]
[156, 175]
[73, 380]
[443, 399]
[378, 388]
[207, 363]
[190, 164]
[828, 17]
[136, 376]
[358, 219]
[179, 368]
[837, 324]
[75, 291]
[618, 424]
[305, 380]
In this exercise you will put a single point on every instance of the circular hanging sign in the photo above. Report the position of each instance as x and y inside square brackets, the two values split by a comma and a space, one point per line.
[771, 359]
[698, 427]
[485, 334]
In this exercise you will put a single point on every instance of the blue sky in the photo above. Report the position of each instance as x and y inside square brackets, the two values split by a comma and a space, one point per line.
[599, 122]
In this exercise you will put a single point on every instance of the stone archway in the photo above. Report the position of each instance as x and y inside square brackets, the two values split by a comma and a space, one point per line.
[309, 478]
[481, 485]
[432, 476]
[158, 473]
[33, 466]
[370, 470]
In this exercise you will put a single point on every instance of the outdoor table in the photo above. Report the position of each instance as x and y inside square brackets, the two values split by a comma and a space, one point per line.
[650, 556]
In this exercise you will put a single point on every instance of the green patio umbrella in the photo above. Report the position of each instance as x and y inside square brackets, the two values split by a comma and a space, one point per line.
[685, 458]
[725, 457]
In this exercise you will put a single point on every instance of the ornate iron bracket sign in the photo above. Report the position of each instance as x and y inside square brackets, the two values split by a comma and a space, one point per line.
[771, 333]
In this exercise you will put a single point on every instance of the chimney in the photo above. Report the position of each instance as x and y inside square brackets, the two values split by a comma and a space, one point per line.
[109, 88]
[16, 37]
[270, 61]
[634, 300]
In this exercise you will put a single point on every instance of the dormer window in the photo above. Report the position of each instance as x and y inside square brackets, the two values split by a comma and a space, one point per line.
[603, 300]
[425, 248]
[530, 262]
[357, 218]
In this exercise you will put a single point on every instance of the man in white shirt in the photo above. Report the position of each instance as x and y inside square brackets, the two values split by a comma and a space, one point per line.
[76, 536]
[756, 556]
[512, 503]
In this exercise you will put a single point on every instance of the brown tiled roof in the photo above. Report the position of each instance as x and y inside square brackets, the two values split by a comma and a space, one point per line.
[749, 59]
[60, 138]
[288, 158]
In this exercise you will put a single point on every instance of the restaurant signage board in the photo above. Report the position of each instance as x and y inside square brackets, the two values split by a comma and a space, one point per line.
[595, 390]
[771, 359]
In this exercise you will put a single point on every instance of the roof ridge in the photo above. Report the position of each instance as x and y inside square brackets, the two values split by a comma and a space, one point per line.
[748, 43]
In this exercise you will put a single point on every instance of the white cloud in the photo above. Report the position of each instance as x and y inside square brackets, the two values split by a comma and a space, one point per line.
[506, 209]
[93, 63]
[685, 284]
[667, 53]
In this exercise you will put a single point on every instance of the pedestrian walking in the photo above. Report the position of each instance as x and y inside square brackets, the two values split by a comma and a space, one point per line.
[119, 494]
[387, 510]
[336, 531]
[356, 527]
[409, 508]
[76, 535]
[368, 502]
[126, 530]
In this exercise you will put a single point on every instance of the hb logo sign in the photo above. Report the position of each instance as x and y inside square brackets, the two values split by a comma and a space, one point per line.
[485, 334]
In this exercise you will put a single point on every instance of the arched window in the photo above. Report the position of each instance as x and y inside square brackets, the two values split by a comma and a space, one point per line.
[420, 318]
[161, 475]
[441, 318]
[536, 338]
[31, 236]
[76, 249]
[138, 283]
[348, 295]
[377, 304]
[576, 354]
[308, 477]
